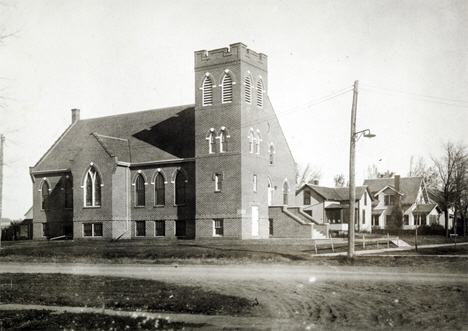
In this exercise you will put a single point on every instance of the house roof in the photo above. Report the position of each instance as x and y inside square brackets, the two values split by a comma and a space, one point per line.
[335, 193]
[424, 209]
[409, 186]
[151, 135]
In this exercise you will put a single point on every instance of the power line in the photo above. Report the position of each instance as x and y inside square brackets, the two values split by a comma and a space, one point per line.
[419, 99]
[420, 95]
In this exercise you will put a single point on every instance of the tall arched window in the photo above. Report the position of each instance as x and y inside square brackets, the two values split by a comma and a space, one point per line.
[227, 88]
[159, 190]
[207, 91]
[251, 140]
[180, 188]
[223, 144]
[272, 152]
[140, 191]
[285, 193]
[211, 142]
[260, 93]
[257, 143]
[92, 188]
[248, 89]
[68, 194]
[45, 196]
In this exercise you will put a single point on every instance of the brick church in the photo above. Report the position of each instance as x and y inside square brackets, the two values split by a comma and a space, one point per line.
[218, 168]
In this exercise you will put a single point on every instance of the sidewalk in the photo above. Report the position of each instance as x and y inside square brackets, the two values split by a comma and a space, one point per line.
[399, 249]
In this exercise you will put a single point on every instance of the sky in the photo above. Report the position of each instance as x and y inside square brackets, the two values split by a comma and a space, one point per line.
[111, 57]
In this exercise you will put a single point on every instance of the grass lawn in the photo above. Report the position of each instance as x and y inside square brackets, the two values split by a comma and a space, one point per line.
[194, 251]
[47, 320]
[117, 293]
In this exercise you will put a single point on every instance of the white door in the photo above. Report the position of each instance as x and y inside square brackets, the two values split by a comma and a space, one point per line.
[254, 220]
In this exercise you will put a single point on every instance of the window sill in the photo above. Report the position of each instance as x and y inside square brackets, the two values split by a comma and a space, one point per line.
[138, 207]
[92, 207]
[159, 206]
[181, 205]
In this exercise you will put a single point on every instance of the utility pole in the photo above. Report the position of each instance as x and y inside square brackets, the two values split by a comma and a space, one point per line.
[352, 187]
[2, 139]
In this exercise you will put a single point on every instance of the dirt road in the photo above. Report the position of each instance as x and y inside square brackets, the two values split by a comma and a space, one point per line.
[315, 297]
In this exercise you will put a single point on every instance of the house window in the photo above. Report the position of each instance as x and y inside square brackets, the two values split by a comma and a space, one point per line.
[218, 179]
[227, 88]
[272, 152]
[211, 142]
[45, 229]
[222, 141]
[180, 188]
[68, 194]
[218, 227]
[248, 89]
[160, 228]
[376, 220]
[92, 188]
[260, 93]
[207, 91]
[423, 220]
[432, 219]
[388, 220]
[365, 198]
[255, 183]
[306, 197]
[140, 191]
[406, 219]
[159, 190]
[285, 193]
[270, 226]
[92, 230]
[363, 217]
[389, 200]
[140, 228]
[45, 196]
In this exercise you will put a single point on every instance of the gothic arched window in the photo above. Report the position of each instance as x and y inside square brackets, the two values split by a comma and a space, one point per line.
[92, 188]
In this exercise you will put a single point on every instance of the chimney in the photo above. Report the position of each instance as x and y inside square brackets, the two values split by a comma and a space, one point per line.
[316, 181]
[397, 182]
[75, 115]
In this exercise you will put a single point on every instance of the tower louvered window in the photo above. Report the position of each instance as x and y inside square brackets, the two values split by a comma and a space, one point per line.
[260, 94]
[207, 91]
[227, 88]
[248, 90]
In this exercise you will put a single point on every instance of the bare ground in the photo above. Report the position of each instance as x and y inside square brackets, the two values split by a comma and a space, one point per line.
[286, 297]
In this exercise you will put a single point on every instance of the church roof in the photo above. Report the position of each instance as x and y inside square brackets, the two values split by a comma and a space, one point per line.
[151, 135]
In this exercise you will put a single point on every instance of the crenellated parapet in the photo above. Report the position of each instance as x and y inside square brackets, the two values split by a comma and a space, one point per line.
[234, 52]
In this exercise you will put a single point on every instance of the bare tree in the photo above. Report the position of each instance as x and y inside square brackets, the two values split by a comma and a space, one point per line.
[448, 168]
[461, 189]
[373, 172]
[340, 180]
[306, 174]
[418, 168]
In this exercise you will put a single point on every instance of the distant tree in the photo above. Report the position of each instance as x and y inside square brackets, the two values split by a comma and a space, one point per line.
[340, 180]
[461, 189]
[15, 228]
[373, 172]
[451, 184]
[306, 174]
[418, 168]
[397, 216]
